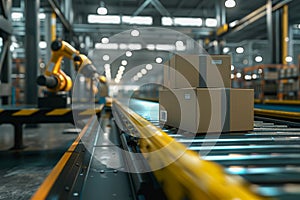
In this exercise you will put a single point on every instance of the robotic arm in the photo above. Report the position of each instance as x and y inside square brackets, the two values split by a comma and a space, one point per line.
[55, 79]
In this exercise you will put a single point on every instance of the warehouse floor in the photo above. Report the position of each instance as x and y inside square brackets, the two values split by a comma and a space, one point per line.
[22, 172]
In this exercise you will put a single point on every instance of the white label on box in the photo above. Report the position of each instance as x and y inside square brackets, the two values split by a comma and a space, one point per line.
[216, 62]
[163, 115]
[187, 96]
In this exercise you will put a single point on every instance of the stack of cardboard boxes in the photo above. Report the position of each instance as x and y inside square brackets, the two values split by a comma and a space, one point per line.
[199, 97]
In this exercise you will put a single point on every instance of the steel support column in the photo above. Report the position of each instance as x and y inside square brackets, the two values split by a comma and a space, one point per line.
[31, 49]
[277, 38]
[5, 54]
[285, 33]
[270, 27]
[68, 13]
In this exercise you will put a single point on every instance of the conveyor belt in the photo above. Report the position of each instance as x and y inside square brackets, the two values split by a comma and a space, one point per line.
[267, 157]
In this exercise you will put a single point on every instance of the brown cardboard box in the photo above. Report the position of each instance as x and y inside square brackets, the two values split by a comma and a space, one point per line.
[185, 70]
[219, 109]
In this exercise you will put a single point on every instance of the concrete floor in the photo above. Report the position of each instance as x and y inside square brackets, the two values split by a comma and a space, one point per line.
[22, 172]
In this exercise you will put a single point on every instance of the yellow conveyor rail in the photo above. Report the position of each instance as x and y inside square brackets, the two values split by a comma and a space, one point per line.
[182, 173]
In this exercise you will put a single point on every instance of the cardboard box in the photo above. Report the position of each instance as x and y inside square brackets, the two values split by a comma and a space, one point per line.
[218, 109]
[203, 71]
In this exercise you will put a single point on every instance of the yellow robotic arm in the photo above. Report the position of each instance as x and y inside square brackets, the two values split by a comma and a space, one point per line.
[55, 79]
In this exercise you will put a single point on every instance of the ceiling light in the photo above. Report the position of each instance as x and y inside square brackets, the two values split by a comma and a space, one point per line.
[254, 76]
[135, 33]
[238, 75]
[298, 26]
[119, 76]
[101, 9]
[232, 67]
[258, 59]
[123, 46]
[232, 76]
[42, 16]
[150, 46]
[140, 20]
[107, 19]
[117, 80]
[289, 59]
[128, 53]
[144, 71]
[211, 22]
[124, 62]
[139, 74]
[239, 50]
[247, 77]
[43, 44]
[134, 46]
[158, 60]
[179, 43]
[122, 68]
[148, 66]
[230, 3]
[181, 21]
[226, 49]
[260, 71]
[105, 57]
[135, 78]
[105, 40]
[106, 46]
[16, 16]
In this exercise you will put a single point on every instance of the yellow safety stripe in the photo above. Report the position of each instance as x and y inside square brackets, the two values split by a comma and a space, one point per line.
[59, 111]
[257, 101]
[92, 111]
[277, 113]
[283, 102]
[46, 186]
[50, 180]
[1, 110]
[25, 112]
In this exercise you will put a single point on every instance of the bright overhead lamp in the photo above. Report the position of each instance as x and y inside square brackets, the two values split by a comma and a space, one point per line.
[238, 75]
[158, 60]
[179, 43]
[150, 46]
[149, 67]
[226, 49]
[135, 33]
[258, 59]
[107, 19]
[139, 74]
[121, 68]
[181, 21]
[239, 50]
[124, 62]
[16, 16]
[289, 59]
[128, 53]
[42, 16]
[105, 57]
[254, 76]
[139, 20]
[232, 67]
[232, 76]
[135, 78]
[105, 40]
[144, 71]
[43, 44]
[102, 10]
[230, 3]
[211, 22]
